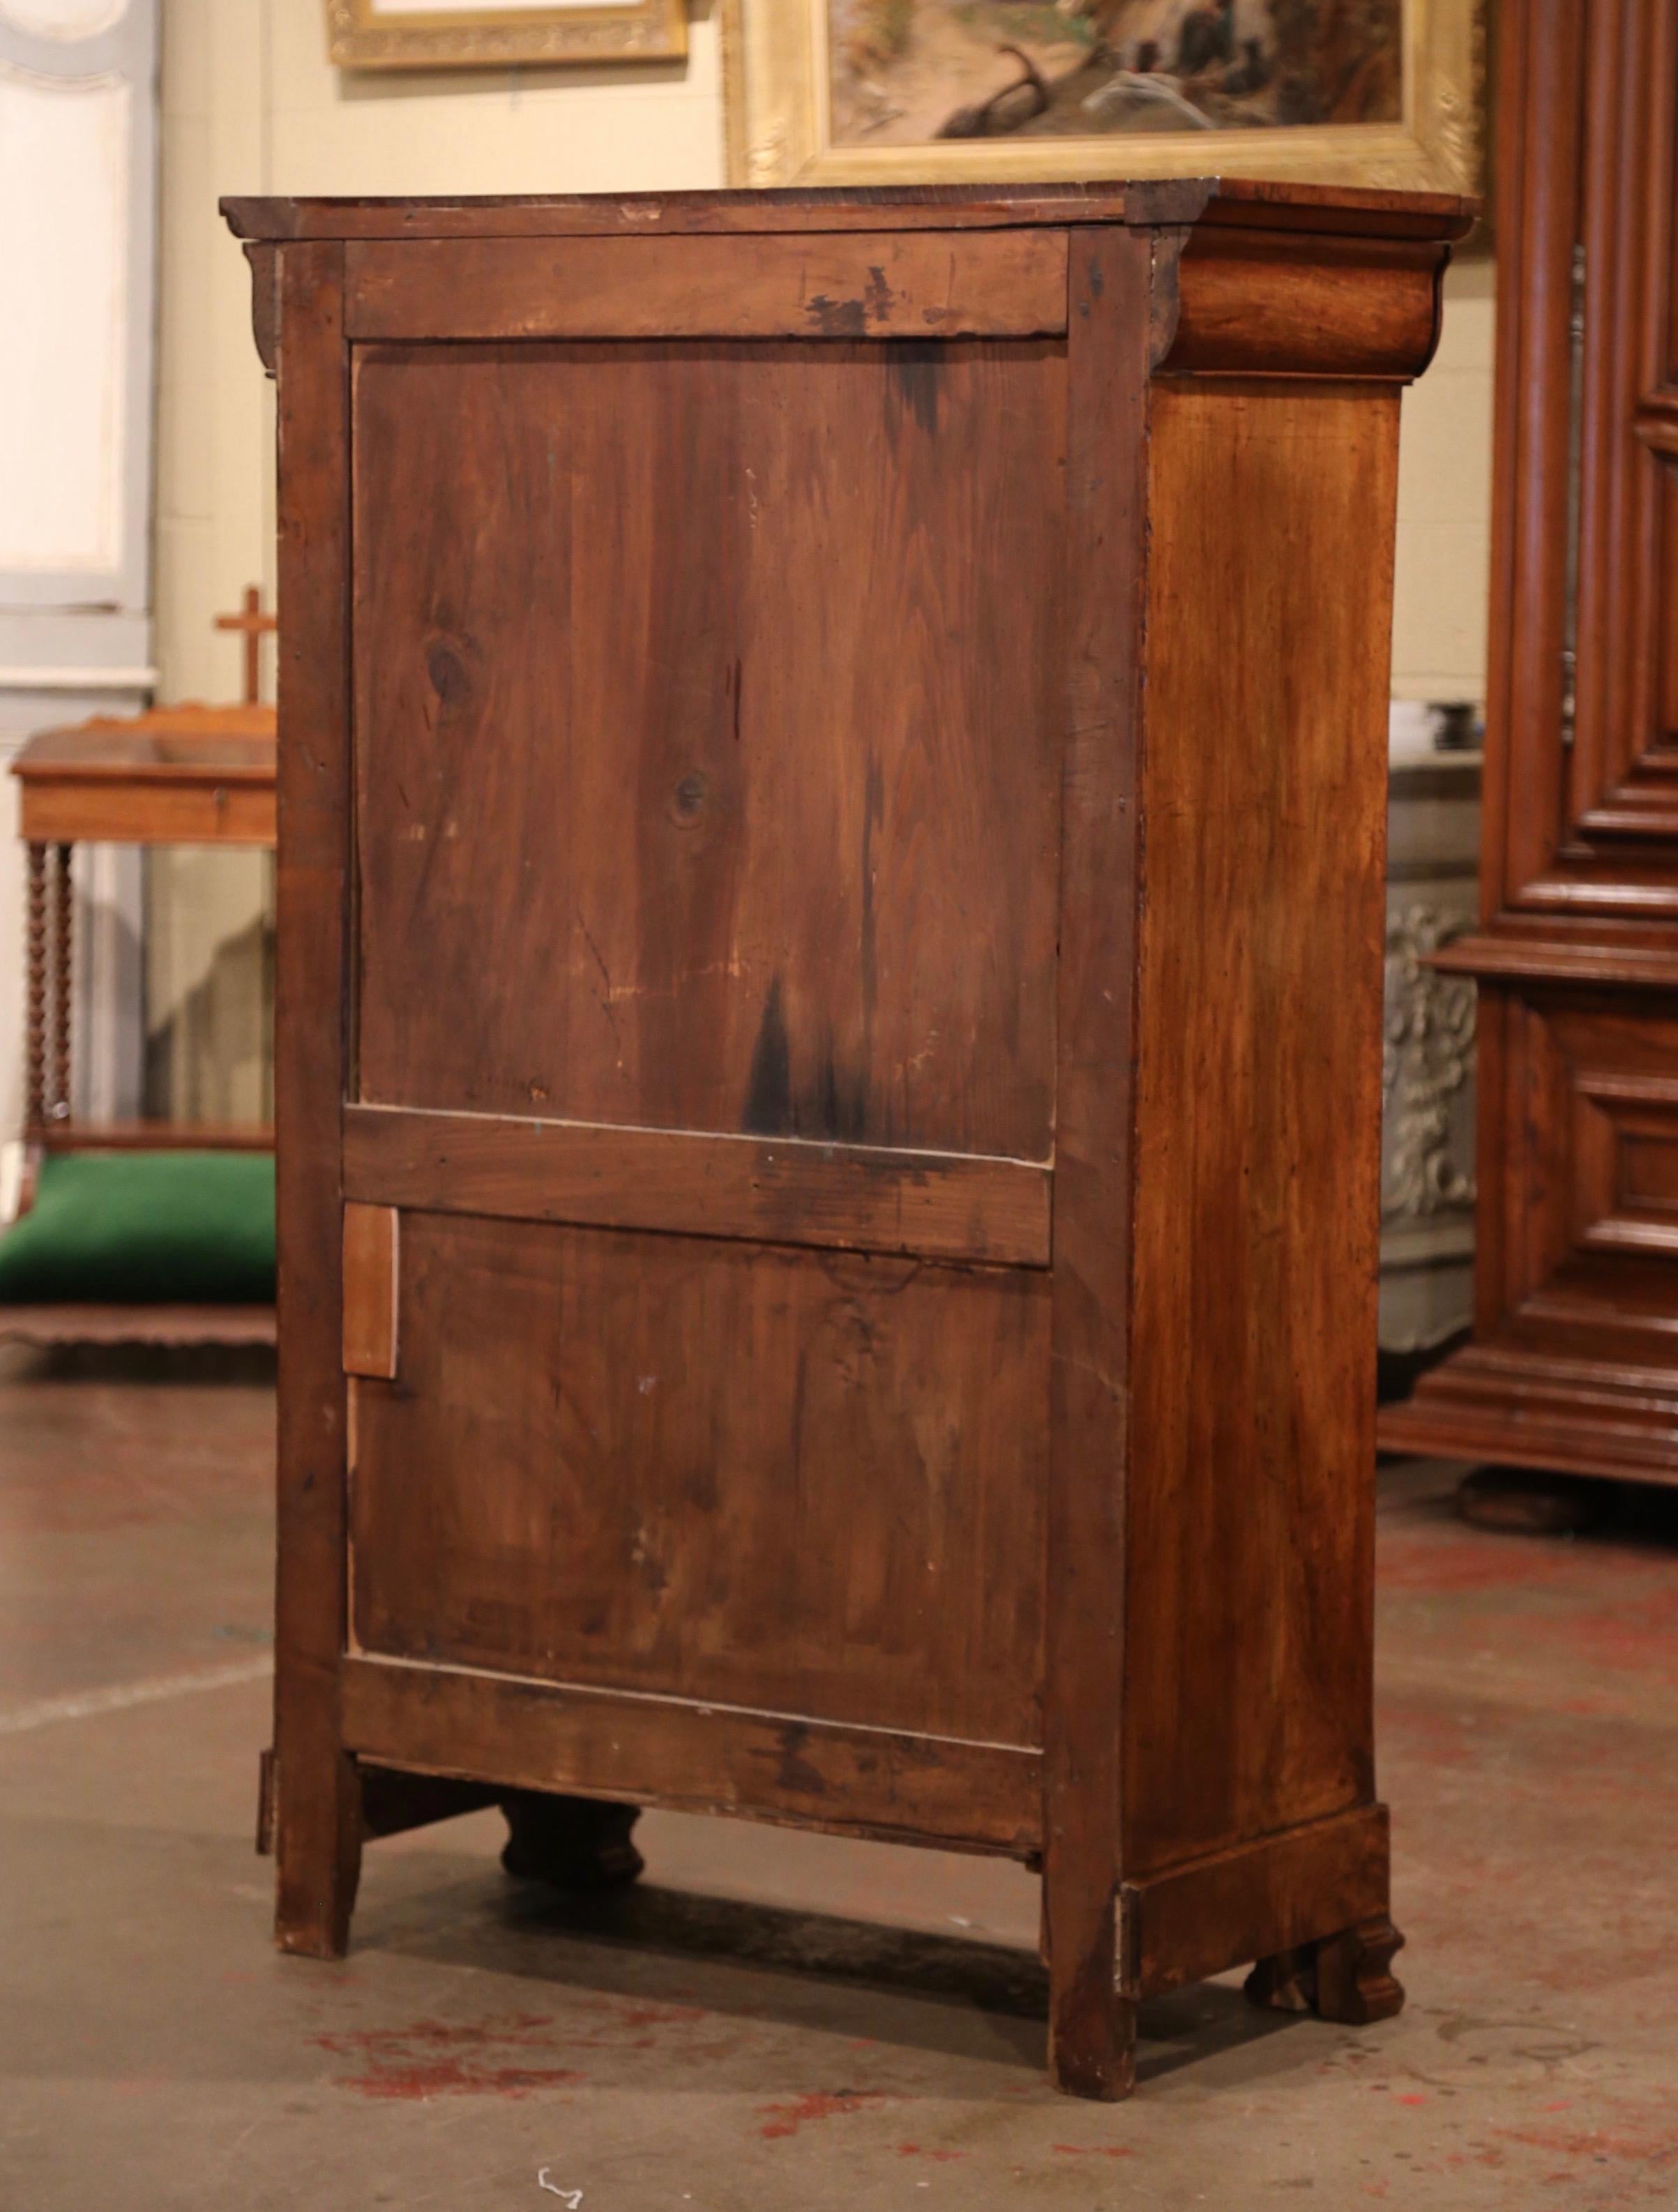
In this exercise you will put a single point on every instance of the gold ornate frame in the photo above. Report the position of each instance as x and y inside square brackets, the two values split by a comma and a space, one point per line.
[464, 36]
[775, 77]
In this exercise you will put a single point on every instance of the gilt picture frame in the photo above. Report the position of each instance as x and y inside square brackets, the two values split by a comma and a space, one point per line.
[1382, 92]
[392, 34]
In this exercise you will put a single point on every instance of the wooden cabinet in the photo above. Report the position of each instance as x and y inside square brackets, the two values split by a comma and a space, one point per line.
[1574, 1359]
[833, 763]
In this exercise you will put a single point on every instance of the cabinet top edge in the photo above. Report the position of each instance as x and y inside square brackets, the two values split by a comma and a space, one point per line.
[1243, 202]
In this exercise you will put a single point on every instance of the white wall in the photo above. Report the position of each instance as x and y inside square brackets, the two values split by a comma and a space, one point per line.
[1444, 503]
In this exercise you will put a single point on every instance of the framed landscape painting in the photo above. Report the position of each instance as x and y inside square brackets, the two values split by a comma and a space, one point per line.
[501, 34]
[859, 91]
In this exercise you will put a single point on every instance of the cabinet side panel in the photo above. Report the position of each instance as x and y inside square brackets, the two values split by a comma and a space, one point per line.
[1251, 1559]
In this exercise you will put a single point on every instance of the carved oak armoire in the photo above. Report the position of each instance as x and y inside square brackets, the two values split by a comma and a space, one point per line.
[832, 765]
[1573, 1364]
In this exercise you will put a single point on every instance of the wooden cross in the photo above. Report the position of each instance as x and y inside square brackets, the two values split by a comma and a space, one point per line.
[254, 623]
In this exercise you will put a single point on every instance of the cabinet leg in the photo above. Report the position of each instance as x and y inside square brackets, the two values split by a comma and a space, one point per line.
[1528, 1503]
[318, 1847]
[1355, 1982]
[574, 1843]
[1347, 1978]
[1092, 2024]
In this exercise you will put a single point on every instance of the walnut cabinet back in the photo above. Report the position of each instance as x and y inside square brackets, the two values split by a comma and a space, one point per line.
[831, 800]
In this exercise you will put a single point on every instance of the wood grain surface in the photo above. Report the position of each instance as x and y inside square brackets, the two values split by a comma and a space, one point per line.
[1002, 283]
[944, 1205]
[812, 1482]
[1092, 2027]
[747, 824]
[1251, 1473]
[697, 1758]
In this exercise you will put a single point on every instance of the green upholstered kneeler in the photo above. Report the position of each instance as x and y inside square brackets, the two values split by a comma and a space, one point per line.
[162, 1228]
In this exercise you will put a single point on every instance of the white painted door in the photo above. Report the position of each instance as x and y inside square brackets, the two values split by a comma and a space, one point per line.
[78, 223]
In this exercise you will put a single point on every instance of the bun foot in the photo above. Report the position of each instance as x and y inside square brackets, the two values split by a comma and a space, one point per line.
[1529, 1504]
[577, 1843]
[1347, 1978]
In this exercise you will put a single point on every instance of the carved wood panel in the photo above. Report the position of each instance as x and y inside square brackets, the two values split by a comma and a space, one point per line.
[1589, 424]
[1590, 1101]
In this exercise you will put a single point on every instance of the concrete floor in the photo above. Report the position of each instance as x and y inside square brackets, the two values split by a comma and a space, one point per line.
[775, 2020]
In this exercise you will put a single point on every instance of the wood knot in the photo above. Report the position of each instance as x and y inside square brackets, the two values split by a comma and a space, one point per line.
[687, 799]
[451, 678]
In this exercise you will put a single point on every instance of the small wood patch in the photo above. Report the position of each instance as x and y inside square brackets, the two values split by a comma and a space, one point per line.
[370, 1249]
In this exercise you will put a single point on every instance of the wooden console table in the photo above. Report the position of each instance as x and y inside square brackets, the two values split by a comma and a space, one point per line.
[177, 775]
[829, 1039]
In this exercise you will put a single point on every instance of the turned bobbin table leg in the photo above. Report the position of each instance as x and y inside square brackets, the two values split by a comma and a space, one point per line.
[64, 961]
[34, 1039]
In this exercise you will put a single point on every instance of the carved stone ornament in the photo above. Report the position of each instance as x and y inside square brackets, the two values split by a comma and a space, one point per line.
[1426, 1058]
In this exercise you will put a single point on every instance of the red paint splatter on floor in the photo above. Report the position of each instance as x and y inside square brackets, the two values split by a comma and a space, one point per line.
[1657, 2146]
[915, 2151]
[452, 2077]
[1412, 2097]
[819, 2104]
[432, 2058]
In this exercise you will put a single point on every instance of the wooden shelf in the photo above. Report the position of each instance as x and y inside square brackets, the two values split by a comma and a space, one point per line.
[151, 1136]
[182, 1325]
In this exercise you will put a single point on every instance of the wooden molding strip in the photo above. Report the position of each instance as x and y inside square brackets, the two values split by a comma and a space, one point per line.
[1226, 201]
[1250, 1902]
[1541, 961]
[941, 1206]
[694, 1757]
[985, 284]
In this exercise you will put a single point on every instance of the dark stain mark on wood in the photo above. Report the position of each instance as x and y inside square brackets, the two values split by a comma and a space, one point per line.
[769, 1088]
[837, 318]
[840, 1107]
[795, 1772]
[913, 369]
[849, 318]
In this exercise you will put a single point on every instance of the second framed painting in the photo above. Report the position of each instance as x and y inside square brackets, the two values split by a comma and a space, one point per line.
[858, 92]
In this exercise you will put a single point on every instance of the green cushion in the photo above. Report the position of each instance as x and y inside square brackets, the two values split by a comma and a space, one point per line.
[165, 1228]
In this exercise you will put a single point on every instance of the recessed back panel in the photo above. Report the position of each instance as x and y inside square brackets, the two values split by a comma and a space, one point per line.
[807, 1482]
[708, 727]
